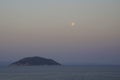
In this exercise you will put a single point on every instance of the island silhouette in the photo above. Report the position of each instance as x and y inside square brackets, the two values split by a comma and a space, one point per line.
[34, 61]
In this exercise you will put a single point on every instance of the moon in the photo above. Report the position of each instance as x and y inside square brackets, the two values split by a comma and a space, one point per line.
[73, 24]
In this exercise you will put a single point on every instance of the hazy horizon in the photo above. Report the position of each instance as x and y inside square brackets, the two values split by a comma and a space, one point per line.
[45, 28]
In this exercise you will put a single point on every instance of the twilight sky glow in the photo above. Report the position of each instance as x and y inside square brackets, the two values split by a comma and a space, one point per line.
[43, 28]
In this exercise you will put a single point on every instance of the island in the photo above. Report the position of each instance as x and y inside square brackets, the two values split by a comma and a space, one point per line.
[34, 61]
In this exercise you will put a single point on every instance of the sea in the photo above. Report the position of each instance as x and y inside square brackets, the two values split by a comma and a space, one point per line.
[86, 72]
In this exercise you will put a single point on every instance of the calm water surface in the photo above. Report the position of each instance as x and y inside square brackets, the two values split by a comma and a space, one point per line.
[60, 73]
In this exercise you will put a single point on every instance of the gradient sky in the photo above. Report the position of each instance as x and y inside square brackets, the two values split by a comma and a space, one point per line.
[43, 28]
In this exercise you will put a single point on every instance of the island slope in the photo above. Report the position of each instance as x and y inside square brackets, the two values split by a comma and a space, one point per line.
[34, 61]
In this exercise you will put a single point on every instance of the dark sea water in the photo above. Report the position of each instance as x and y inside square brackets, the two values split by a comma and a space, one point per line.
[60, 73]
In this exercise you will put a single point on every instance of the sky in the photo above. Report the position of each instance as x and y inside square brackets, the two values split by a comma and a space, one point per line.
[45, 28]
